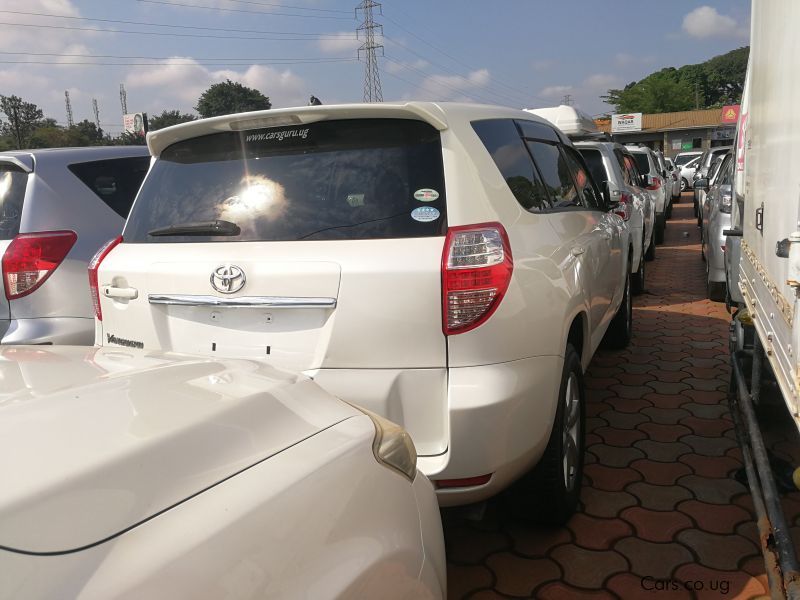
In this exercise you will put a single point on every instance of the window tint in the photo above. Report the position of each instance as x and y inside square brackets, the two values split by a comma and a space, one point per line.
[115, 181]
[537, 131]
[584, 181]
[642, 163]
[555, 173]
[502, 140]
[632, 170]
[626, 175]
[594, 160]
[338, 179]
[726, 175]
[13, 182]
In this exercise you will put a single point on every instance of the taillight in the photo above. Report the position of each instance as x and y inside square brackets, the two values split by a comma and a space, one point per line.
[94, 264]
[624, 207]
[476, 271]
[31, 258]
[655, 184]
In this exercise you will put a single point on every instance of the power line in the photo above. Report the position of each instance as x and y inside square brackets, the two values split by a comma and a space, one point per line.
[58, 63]
[171, 34]
[505, 97]
[196, 58]
[291, 7]
[457, 60]
[242, 10]
[171, 26]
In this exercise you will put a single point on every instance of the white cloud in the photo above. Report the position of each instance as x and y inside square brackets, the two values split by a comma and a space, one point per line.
[16, 36]
[543, 64]
[340, 42]
[398, 67]
[180, 82]
[453, 87]
[556, 91]
[705, 22]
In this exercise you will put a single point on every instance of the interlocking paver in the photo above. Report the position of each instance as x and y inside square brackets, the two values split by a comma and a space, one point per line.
[651, 559]
[656, 526]
[660, 508]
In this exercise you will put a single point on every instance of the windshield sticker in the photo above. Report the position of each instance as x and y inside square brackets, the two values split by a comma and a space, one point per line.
[355, 200]
[277, 135]
[426, 195]
[425, 214]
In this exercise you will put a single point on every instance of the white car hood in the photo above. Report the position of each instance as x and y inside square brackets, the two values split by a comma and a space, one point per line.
[93, 441]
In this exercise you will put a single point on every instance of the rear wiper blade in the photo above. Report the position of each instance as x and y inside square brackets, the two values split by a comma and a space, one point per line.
[217, 227]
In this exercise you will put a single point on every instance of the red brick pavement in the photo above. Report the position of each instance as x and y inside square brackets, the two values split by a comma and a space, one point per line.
[659, 500]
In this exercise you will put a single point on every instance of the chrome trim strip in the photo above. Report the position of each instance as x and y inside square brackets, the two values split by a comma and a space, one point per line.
[242, 302]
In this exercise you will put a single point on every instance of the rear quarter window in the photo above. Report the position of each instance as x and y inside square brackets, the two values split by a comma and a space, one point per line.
[502, 141]
[13, 183]
[345, 179]
[115, 181]
[642, 162]
[594, 160]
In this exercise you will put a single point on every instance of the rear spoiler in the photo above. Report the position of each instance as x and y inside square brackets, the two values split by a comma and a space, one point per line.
[599, 136]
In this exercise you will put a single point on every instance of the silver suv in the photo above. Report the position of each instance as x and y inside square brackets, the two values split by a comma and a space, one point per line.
[57, 207]
[655, 183]
[613, 165]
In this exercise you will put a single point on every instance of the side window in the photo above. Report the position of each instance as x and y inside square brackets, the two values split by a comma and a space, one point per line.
[507, 149]
[632, 170]
[626, 174]
[555, 173]
[594, 160]
[586, 185]
[115, 181]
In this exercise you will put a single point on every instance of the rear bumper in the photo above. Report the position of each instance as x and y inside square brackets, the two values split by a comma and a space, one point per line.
[74, 331]
[496, 419]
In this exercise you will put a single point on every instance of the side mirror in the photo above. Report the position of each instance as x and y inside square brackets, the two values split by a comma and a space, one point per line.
[701, 184]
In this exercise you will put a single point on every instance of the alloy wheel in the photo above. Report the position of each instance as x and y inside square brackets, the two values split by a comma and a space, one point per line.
[571, 432]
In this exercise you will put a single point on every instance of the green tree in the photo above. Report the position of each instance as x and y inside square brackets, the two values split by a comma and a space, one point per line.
[229, 97]
[168, 118]
[22, 119]
[713, 83]
[129, 139]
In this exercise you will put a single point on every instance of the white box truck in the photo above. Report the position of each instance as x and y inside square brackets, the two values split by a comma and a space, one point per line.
[763, 263]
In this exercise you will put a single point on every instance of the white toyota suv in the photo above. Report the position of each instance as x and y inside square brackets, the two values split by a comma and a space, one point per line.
[452, 267]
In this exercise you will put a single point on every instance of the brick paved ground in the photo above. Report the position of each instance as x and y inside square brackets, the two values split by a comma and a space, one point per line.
[659, 499]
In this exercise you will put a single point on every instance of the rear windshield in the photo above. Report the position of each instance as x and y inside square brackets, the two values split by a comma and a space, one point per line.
[682, 159]
[13, 182]
[349, 179]
[115, 181]
[594, 160]
[641, 162]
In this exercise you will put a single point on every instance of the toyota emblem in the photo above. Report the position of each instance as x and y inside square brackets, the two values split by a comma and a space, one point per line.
[228, 279]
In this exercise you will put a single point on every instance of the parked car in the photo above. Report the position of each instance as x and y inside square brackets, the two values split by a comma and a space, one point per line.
[663, 171]
[452, 267]
[610, 163]
[57, 207]
[685, 157]
[716, 220]
[674, 174]
[702, 171]
[702, 185]
[647, 164]
[140, 474]
[687, 173]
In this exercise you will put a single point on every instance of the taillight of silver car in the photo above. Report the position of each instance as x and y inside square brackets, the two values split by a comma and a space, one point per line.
[624, 208]
[476, 270]
[94, 264]
[655, 183]
[31, 258]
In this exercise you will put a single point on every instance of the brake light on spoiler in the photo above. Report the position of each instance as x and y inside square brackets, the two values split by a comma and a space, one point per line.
[476, 270]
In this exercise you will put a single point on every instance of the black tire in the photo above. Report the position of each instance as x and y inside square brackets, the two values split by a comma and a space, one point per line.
[659, 229]
[715, 290]
[547, 495]
[620, 329]
[684, 184]
[637, 284]
[668, 213]
[650, 254]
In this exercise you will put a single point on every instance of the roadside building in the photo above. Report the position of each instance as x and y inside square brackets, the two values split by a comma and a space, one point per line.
[676, 131]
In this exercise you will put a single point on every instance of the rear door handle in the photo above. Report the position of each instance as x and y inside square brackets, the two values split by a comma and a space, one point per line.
[128, 293]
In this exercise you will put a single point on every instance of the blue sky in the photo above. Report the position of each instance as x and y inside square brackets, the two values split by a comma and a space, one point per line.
[517, 53]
